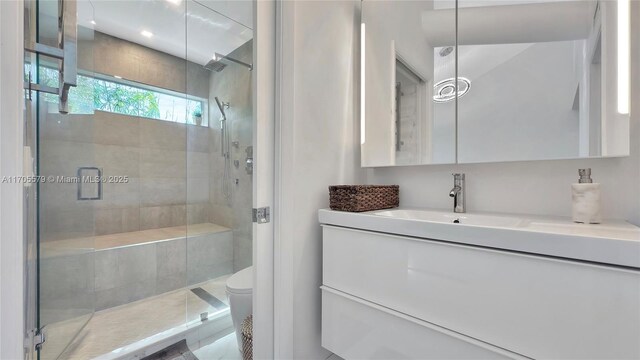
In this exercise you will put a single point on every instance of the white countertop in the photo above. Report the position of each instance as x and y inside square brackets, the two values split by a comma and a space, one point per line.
[611, 242]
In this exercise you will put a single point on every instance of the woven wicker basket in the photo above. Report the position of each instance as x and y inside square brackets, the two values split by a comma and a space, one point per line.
[358, 198]
[247, 338]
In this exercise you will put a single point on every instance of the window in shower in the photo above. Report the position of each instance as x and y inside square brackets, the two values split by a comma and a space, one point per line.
[127, 98]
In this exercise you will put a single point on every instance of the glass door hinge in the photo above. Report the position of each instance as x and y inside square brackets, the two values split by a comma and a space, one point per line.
[261, 215]
[35, 339]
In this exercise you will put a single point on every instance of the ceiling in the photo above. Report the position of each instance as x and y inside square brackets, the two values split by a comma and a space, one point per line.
[520, 22]
[192, 30]
[451, 4]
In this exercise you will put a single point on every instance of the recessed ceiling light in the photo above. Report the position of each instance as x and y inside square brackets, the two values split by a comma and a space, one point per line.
[175, 2]
[93, 22]
[146, 33]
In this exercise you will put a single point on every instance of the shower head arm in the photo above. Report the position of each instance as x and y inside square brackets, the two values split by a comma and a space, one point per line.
[219, 57]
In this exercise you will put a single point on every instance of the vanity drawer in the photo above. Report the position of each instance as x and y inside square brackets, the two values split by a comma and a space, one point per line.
[356, 329]
[536, 306]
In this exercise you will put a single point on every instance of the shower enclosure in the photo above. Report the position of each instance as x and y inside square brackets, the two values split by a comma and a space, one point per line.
[142, 206]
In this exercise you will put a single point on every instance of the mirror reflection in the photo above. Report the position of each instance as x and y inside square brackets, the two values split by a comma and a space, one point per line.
[516, 80]
[401, 66]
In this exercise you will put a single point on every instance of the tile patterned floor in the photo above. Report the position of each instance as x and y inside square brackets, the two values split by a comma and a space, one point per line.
[225, 348]
[116, 327]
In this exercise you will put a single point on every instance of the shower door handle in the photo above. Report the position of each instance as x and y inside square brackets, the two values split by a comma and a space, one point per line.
[66, 52]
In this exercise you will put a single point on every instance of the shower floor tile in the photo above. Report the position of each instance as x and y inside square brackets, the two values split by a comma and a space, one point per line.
[114, 328]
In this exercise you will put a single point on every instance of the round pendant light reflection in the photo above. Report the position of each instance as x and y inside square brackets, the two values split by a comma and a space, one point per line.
[445, 90]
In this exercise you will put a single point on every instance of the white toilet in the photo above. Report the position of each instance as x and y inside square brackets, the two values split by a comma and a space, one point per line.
[240, 294]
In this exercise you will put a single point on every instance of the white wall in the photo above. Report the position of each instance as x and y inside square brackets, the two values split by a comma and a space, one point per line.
[11, 125]
[319, 146]
[522, 108]
[263, 78]
[318, 137]
[535, 187]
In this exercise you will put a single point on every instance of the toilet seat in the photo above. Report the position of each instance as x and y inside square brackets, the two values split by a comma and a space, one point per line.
[241, 282]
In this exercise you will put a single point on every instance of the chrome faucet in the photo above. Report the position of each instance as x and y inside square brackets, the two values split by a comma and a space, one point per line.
[457, 193]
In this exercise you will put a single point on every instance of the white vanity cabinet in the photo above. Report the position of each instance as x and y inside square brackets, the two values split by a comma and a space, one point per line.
[399, 297]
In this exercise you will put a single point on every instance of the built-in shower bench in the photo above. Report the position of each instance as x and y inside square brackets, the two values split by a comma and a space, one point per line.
[134, 265]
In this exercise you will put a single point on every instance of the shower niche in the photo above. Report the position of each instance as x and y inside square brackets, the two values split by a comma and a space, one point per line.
[469, 81]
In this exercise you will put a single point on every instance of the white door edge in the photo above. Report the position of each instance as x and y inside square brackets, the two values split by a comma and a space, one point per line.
[263, 176]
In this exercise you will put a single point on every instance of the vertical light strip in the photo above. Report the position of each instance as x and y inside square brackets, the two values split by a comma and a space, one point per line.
[362, 85]
[623, 56]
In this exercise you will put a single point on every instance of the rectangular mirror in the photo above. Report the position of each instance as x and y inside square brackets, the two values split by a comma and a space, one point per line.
[536, 80]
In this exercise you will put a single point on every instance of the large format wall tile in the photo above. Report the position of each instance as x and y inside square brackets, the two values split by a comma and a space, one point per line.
[162, 191]
[136, 264]
[130, 273]
[66, 286]
[144, 65]
[70, 127]
[116, 220]
[156, 134]
[119, 195]
[116, 129]
[125, 274]
[198, 213]
[108, 221]
[209, 256]
[156, 163]
[197, 190]
[149, 152]
[171, 265]
[198, 165]
[233, 85]
[198, 138]
[154, 217]
[66, 224]
[106, 267]
[242, 250]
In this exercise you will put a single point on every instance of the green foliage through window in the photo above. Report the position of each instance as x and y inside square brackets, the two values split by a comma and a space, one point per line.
[98, 94]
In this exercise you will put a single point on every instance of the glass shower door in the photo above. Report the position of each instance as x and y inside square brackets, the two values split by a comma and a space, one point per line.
[219, 53]
[62, 202]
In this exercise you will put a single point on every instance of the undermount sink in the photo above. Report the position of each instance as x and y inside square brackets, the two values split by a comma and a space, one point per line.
[449, 217]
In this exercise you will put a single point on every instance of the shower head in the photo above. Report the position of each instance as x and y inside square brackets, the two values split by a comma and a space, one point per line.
[446, 51]
[217, 65]
[221, 106]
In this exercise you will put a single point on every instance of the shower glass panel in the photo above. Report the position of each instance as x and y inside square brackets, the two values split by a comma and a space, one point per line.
[145, 211]
[69, 192]
[219, 186]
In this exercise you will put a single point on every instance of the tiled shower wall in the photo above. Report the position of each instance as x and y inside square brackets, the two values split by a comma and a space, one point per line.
[108, 55]
[167, 165]
[233, 85]
[175, 170]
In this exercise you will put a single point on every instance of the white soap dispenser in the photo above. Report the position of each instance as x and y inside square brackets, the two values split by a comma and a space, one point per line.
[586, 199]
